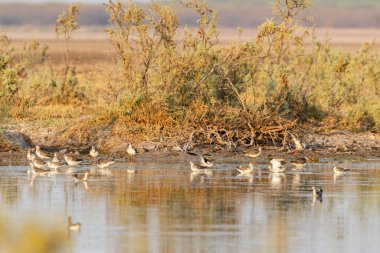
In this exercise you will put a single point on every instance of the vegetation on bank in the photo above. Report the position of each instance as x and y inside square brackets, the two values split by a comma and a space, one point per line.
[184, 84]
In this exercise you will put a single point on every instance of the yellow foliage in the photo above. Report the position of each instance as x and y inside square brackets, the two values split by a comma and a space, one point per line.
[31, 237]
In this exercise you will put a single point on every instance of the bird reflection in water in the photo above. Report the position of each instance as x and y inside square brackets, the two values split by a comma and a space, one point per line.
[245, 176]
[317, 195]
[199, 178]
[276, 179]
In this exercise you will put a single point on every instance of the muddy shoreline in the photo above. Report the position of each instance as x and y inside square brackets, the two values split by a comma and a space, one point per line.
[19, 138]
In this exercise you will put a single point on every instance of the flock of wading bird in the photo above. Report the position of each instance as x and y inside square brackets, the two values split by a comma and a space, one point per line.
[276, 166]
[44, 163]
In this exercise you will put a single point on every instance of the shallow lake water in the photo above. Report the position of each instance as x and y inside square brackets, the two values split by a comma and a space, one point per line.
[148, 206]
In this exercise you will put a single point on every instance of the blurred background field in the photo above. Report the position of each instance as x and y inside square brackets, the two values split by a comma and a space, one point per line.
[232, 13]
[347, 23]
[91, 45]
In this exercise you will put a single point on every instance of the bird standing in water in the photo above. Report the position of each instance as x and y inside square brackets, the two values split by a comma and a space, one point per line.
[42, 154]
[277, 165]
[205, 162]
[73, 226]
[104, 162]
[197, 168]
[254, 156]
[299, 162]
[340, 170]
[31, 156]
[245, 169]
[131, 151]
[72, 160]
[55, 158]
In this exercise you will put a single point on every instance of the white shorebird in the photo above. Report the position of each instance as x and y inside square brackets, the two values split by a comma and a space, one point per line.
[340, 170]
[205, 162]
[297, 142]
[38, 171]
[73, 226]
[277, 165]
[72, 160]
[54, 165]
[55, 158]
[131, 151]
[93, 152]
[299, 162]
[38, 162]
[255, 155]
[104, 163]
[81, 177]
[30, 155]
[245, 169]
[42, 154]
[198, 168]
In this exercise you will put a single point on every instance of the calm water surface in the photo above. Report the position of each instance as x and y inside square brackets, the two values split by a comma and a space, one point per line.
[163, 207]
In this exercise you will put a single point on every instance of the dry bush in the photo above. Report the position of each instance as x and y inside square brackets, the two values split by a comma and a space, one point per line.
[172, 83]
[198, 84]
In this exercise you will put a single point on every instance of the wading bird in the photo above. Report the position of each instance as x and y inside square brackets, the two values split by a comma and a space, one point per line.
[30, 155]
[93, 152]
[42, 154]
[131, 151]
[340, 170]
[104, 163]
[72, 160]
[299, 162]
[198, 168]
[245, 169]
[277, 165]
[73, 226]
[38, 162]
[254, 156]
[55, 158]
[38, 171]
